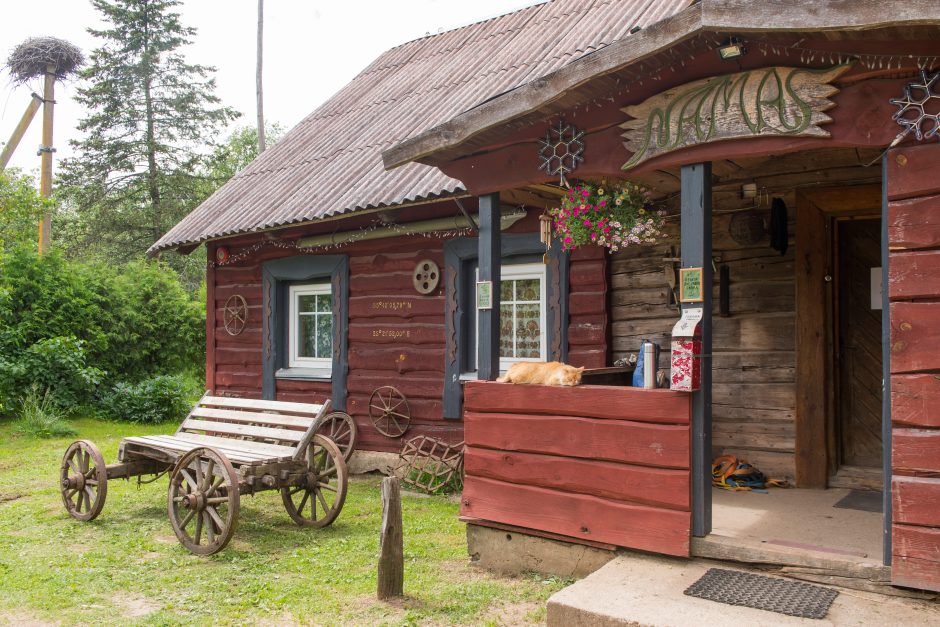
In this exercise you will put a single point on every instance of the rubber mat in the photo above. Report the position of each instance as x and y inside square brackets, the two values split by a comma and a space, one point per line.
[862, 500]
[782, 596]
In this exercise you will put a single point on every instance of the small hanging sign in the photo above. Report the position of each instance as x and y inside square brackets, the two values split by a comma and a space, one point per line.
[484, 294]
[690, 285]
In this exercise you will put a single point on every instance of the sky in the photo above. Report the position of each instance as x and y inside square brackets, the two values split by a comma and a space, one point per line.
[311, 49]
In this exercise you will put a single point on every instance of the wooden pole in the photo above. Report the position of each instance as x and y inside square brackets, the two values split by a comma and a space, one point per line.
[696, 232]
[490, 251]
[259, 89]
[20, 130]
[45, 180]
[392, 550]
[887, 433]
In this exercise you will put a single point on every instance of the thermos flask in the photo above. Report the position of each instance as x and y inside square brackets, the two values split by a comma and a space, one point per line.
[644, 375]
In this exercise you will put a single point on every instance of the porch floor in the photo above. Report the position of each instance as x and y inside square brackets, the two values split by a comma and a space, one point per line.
[798, 519]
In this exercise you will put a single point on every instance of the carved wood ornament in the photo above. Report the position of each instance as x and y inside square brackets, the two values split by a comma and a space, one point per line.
[766, 102]
[235, 314]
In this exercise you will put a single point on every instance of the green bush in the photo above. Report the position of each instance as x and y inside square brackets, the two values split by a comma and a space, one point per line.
[164, 398]
[129, 322]
[47, 297]
[56, 365]
[40, 417]
[21, 210]
[159, 328]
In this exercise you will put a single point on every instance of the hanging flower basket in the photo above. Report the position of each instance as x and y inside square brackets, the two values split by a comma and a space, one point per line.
[610, 216]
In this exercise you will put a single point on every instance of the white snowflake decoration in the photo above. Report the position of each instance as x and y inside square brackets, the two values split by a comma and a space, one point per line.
[919, 109]
[561, 150]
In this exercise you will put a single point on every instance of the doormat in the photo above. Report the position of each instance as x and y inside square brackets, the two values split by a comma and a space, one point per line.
[782, 596]
[862, 500]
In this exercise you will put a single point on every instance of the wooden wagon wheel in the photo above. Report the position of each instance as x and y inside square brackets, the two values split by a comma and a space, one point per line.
[235, 314]
[322, 487]
[341, 428]
[203, 500]
[389, 411]
[83, 479]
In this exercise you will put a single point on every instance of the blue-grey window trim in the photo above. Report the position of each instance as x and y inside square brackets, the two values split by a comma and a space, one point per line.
[460, 255]
[277, 275]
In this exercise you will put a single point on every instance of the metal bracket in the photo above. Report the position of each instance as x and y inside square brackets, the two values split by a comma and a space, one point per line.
[473, 225]
[43, 149]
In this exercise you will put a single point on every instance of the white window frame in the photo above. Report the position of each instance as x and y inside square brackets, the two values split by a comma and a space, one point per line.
[294, 294]
[517, 272]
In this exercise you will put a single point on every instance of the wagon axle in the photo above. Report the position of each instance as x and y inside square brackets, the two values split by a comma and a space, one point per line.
[74, 482]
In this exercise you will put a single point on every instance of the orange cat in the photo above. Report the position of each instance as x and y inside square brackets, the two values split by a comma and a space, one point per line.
[542, 373]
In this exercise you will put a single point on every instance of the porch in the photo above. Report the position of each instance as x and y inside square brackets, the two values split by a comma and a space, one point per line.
[810, 369]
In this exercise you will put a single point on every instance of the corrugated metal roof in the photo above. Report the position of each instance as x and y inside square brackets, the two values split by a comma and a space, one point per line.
[331, 162]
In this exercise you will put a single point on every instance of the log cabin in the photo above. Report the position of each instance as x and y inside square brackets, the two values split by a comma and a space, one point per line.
[792, 151]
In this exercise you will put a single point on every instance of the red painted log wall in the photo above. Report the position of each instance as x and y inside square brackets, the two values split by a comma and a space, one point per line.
[388, 345]
[400, 345]
[914, 291]
[597, 463]
[588, 327]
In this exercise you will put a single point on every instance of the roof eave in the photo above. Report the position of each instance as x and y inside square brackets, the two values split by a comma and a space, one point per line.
[187, 246]
[707, 16]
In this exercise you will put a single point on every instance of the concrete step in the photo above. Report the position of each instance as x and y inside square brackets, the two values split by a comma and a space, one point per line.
[640, 589]
[799, 561]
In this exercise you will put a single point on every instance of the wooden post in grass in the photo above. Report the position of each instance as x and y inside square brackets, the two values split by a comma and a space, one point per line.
[391, 542]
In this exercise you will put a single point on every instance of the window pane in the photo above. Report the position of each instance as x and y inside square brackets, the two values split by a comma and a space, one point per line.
[325, 336]
[505, 331]
[505, 290]
[527, 289]
[306, 302]
[528, 331]
[324, 302]
[306, 337]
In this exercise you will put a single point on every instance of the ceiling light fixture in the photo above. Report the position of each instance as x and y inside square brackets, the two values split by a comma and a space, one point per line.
[733, 49]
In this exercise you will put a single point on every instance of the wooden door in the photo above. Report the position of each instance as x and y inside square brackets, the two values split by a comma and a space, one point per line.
[859, 344]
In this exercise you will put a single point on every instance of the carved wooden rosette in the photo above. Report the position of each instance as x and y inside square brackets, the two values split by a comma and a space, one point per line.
[766, 102]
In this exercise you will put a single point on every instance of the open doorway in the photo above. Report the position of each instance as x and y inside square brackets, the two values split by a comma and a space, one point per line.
[834, 514]
[857, 455]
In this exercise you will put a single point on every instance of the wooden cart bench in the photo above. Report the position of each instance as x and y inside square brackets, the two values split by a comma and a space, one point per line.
[224, 448]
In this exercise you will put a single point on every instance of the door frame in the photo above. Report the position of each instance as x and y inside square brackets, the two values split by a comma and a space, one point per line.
[814, 337]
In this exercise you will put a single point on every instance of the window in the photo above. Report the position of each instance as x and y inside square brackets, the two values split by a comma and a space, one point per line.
[460, 314]
[301, 334]
[521, 314]
[311, 326]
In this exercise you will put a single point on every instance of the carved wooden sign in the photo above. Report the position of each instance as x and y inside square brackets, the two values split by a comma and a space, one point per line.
[757, 103]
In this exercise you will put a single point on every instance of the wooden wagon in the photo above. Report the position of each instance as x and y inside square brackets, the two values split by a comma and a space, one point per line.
[224, 448]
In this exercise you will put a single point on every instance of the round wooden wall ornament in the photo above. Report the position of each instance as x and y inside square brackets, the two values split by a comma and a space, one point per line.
[426, 276]
[235, 314]
[222, 254]
[747, 228]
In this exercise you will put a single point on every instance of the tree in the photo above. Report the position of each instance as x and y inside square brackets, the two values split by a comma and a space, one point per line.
[239, 149]
[137, 170]
[21, 209]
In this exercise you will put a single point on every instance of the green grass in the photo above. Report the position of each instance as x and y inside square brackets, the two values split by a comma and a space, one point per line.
[40, 418]
[127, 567]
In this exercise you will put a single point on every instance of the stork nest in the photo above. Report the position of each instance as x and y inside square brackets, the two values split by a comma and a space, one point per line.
[31, 58]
